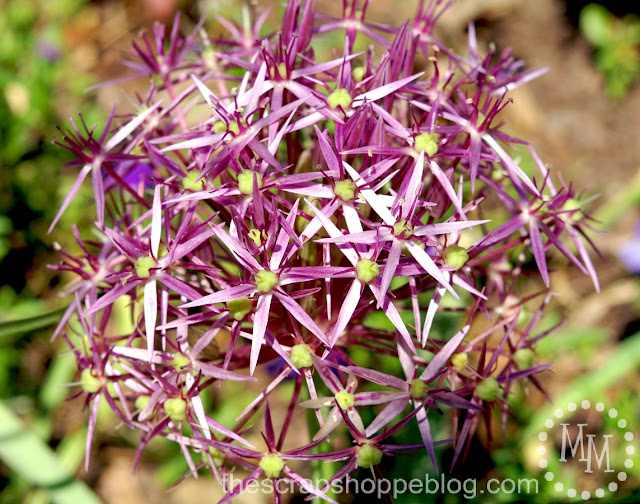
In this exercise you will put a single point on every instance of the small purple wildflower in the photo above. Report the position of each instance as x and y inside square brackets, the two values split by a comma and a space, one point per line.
[276, 202]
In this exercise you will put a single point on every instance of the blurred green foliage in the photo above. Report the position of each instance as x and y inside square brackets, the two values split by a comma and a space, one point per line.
[617, 46]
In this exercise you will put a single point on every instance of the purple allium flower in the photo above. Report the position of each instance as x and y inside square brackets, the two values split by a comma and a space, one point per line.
[271, 205]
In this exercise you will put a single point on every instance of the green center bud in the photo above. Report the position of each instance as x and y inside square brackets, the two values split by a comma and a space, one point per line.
[339, 98]
[524, 358]
[143, 265]
[459, 361]
[266, 280]
[239, 308]
[419, 389]
[191, 182]
[245, 181]
[176, 409]
[367, 456]
[89, 382]
[358, 73]
[301, 356]
[256, 236]
[402, 229]
[367, 270]
[180, 361]
[141, 402]
[221, 127]
[345, 190]
[488, 389]
[345, 399]
[426, 142]
[272, 465]
[572, 208]
[282, 70]
[455, 256]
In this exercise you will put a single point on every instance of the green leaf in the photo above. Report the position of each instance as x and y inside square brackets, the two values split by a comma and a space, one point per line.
[23, 452]
[22, 326]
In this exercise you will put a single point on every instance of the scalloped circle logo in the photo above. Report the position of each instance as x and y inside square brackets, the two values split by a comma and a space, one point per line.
[585, 451]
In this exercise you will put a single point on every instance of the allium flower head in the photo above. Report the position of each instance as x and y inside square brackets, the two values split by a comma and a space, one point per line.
[270, 205]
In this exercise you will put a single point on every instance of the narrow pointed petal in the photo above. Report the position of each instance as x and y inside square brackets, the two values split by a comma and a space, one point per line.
[392, 410]
[537, 247]
[346, 311]
[371, 197]
[156, 221]
[394, 316]
[431, 313]
[150, 314]
[429, 266]
[390, 268]
[128, 128]
[425, 433]
[69, 197]
[442, 357]
[301, 316]
[259, 328]
[223, 296]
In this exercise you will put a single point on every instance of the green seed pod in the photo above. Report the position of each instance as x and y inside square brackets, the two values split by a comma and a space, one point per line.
[191, 182]
[180, 361]
[419, 389]
[339, 98]
[143, 265]
[367, 270]
[245, 181]
[301, 356]
[524, 358]
[176, 409]
[368, 456]
[89, 382]
[345, 399]
[455, 256]
[272, 465]
[426, 142]
[239, 308]
[345, 190]
[459, 361]
[488, 389]
[266, 280]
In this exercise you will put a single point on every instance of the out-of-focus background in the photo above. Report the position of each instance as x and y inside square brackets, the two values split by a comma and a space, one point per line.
[583, 117]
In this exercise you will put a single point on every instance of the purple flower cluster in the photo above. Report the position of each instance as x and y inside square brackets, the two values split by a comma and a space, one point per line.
[268, 204]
